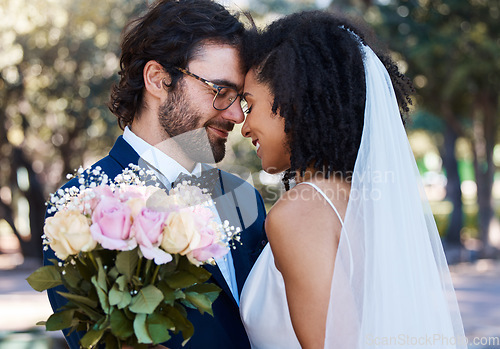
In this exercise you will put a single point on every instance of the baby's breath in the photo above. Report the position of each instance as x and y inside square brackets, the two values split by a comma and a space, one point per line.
[70, 198]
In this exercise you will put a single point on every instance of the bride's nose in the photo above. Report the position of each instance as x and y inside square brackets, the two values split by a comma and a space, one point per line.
[245, 129]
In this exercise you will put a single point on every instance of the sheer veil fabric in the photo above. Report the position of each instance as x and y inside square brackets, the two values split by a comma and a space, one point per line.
[391, 286]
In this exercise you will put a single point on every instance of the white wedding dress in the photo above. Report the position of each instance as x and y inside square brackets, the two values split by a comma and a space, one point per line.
[263, 304]
[391, 286]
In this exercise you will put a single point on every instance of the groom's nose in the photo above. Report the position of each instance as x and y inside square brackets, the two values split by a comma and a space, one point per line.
[234, 113]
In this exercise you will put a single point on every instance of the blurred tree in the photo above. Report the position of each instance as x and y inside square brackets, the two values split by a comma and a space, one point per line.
[59, 59]
[452, 52]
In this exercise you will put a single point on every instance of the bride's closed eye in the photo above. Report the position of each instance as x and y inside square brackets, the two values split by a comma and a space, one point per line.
[247, 110]
[245, 106]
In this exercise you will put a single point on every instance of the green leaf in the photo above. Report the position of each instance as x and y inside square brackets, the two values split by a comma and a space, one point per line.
[113, 273]
[181, 279]
[126, 262]
[85, 267]
[103, 297]
[199, 272]
[140, 329]
[102, 324]
[101, 276]
[115, 295]
[121, 326]
[146, 300]
[44, 278]
[169, 294]
[188, 304]
[91, 338]
[112, 342]
[122, 282]
[118, 297]
[200, 301]
[126, 299]
[158, 327]
[71, 277]
[179, 317]
[210, 290]
[88, 311]
[79, 299]
[60, 320]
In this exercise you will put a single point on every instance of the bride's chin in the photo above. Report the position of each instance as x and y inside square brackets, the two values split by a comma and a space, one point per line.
[272, 169]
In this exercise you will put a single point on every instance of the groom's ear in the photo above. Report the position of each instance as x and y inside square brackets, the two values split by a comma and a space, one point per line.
[156, 79]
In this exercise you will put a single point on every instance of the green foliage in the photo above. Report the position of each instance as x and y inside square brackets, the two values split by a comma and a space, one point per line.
[60, 320]
[451, 49]
[115, 303]
[146, 301]
[44, 278]
[60, 59]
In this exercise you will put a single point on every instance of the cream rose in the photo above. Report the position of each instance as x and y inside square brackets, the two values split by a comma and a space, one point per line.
[180, 232]
[68, 233]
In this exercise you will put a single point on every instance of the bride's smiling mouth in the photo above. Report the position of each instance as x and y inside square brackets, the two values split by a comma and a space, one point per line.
[256, 144]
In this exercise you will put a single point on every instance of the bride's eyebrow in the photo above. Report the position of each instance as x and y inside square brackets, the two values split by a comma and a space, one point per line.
[246, 94]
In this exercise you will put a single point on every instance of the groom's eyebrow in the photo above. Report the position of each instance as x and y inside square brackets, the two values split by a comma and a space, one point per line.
[223, 82]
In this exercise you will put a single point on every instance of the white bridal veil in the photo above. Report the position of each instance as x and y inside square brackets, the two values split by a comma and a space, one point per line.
[391, 286]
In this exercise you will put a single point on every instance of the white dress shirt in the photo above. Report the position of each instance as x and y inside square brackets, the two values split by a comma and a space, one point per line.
[168, 170]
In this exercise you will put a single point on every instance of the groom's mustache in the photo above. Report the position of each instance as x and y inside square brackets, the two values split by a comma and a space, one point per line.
[221, 125]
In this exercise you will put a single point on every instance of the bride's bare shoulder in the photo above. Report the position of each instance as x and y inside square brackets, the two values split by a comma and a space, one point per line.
[298, 209]
[302, 224]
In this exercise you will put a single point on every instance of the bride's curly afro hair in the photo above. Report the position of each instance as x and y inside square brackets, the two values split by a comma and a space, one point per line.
[314, 69]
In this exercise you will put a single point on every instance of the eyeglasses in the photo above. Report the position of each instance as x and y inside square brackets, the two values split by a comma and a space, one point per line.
[224, 97]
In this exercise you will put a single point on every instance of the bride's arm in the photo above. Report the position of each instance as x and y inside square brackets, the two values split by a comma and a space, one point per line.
[304, 236]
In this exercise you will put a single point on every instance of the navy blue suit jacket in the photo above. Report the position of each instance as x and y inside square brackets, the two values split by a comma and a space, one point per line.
[236, 201]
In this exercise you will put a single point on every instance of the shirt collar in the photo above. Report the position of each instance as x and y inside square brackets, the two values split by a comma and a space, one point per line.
[167, 166]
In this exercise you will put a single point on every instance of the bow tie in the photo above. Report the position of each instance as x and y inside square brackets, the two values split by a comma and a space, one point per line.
[207, 180]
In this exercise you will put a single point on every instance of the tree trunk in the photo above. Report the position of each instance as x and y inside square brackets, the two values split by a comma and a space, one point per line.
[31, 247]
[485, 129]
[453, 189]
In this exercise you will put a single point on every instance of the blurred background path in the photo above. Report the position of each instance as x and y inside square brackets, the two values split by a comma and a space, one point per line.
[478, 291]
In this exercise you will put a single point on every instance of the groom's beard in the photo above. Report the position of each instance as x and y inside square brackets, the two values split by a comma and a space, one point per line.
[181, 121]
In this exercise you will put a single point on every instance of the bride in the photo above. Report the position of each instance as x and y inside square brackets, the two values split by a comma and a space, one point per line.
[354, 258]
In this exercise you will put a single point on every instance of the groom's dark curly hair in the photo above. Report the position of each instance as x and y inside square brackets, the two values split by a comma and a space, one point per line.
[314, 69]
[171, 33]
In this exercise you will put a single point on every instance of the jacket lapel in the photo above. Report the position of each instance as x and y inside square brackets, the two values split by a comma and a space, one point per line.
[228, 210]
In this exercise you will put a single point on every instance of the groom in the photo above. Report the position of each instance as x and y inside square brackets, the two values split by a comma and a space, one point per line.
[177, 100]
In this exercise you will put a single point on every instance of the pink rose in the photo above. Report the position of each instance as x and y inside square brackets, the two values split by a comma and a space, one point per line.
[111, 225]
[129, 192]
[148, 229]
[209, 244]
[216, 251]
[90, 197]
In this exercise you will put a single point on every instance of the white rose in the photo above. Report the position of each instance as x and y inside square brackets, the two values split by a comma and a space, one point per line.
[180, 232]
[68, 233]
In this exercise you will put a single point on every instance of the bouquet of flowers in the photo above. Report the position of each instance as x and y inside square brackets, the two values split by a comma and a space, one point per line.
[130, 257]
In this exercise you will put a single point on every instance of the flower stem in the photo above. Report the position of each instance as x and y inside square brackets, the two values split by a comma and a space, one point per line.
[155, 274]
[138, 269]
[146, 270]
[92, 259]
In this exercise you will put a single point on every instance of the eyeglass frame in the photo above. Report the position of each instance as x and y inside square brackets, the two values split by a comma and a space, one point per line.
[216, 88]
